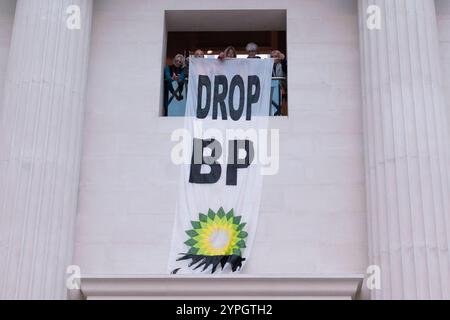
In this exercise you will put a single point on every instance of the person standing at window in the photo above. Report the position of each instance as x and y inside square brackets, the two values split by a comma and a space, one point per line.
[197, 54]
[252, 49]
[176, 72]
[228, 53]
[279, 64]
[280, 71]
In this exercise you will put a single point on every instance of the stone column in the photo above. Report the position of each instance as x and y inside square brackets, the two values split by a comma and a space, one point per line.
[41, 124]
[407, 150]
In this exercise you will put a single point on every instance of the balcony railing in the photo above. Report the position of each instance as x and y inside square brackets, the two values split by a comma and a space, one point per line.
[177, 108]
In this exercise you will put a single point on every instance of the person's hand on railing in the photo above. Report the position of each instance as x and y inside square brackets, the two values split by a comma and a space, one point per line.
[221, 56]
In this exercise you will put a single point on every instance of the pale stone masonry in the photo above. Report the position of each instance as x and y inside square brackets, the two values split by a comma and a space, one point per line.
[85, 171]
[407, 151]
[40, 142]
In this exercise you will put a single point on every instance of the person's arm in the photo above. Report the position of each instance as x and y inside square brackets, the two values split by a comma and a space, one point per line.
[182, 75]
[167, 75]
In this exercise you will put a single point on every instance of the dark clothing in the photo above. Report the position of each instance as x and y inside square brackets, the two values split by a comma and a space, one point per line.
[169, 71]
[275, 70]
[186, 68]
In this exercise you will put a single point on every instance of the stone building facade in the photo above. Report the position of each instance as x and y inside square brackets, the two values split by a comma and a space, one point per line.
[85, 171]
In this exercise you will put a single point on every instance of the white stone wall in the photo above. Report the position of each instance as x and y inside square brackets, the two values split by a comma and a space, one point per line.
[7, 8]
[312, 218]
[443, 12]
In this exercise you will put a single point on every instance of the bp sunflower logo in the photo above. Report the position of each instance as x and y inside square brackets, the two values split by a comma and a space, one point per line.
[216, 239]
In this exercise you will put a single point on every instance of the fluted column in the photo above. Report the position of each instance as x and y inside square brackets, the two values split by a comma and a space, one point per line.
[406, 148]
[41, 125]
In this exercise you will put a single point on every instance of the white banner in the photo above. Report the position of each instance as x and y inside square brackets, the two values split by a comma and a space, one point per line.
[221, 179]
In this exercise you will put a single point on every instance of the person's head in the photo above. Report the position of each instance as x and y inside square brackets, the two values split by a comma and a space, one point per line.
[179, 61]
[230, 52]
[252, 49]
[199, 54]
[276, 55]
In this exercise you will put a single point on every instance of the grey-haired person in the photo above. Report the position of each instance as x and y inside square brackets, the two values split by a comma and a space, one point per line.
[252, 50]
[176, 72]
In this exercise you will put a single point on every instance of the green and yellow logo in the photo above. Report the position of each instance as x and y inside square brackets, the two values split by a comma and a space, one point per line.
[216, 239]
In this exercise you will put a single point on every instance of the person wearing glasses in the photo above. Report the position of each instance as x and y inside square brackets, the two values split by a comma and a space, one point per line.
[176, 72]
[252, 49]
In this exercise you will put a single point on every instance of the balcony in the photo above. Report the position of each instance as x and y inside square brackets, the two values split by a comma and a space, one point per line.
[177, 108]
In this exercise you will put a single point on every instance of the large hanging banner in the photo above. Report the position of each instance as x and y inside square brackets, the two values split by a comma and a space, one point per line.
[220, 185]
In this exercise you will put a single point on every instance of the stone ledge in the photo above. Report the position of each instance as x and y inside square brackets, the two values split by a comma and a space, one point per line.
[252, 287]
